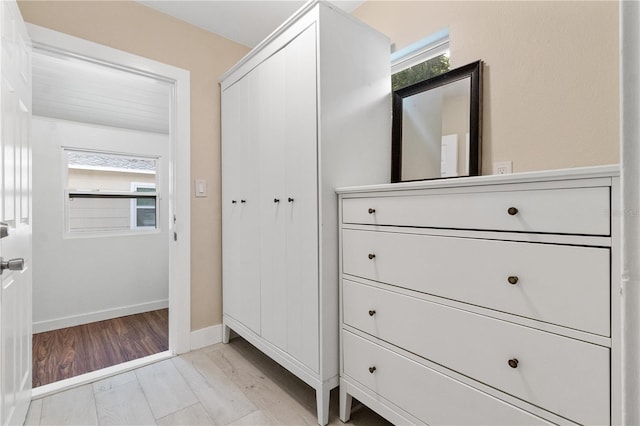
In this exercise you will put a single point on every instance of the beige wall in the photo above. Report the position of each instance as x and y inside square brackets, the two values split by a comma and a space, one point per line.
[134, 28]
[551, 73]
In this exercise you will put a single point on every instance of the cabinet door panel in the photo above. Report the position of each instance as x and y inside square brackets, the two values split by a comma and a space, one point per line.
[301, 186]
[268, 96]
[240, 273]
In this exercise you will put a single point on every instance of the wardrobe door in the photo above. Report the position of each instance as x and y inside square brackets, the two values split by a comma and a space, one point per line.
[240, 257]
[301, 189]
[268, 95]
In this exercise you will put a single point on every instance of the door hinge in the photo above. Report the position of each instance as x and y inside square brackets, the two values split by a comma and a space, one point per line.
[175, 236]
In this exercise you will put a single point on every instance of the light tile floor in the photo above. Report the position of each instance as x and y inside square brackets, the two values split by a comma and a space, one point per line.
[232, 384]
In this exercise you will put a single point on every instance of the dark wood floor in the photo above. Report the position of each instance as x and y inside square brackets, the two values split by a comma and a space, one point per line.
[68, 352]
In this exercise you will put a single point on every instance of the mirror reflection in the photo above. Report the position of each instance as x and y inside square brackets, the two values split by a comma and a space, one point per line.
[436, 127]
[435, 132]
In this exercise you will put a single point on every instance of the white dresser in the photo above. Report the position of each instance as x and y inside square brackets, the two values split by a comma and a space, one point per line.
[304, 112]
[485, 300]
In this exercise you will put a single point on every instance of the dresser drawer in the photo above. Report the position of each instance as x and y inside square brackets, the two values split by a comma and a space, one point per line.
[432, 397]
[564, 285]
[559, 374]
[566, 211]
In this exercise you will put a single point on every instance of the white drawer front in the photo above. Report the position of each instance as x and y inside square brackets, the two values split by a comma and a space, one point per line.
[432, 397]
[559, 374]
[564, 285]
[565, 211]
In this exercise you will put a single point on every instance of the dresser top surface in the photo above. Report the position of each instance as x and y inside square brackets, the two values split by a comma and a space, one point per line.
[606, 171]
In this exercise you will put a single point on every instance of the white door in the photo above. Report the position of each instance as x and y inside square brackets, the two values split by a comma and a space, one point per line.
[15, 213]
[301, 170]
[240, 234]
[269, 99]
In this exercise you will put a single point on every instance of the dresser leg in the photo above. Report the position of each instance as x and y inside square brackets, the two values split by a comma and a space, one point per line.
[322, 403]
[226, 332]
[345, 405]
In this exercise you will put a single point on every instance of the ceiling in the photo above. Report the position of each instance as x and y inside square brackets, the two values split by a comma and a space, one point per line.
[246, 22]
[68, 88]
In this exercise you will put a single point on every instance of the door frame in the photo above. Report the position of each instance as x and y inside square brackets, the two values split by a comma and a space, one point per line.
[179, 170]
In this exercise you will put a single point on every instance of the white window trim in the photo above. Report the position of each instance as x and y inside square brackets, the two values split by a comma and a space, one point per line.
[429, 47]
[134, 206]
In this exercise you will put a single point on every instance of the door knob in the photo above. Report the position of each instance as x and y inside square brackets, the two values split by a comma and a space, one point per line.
[12, 265]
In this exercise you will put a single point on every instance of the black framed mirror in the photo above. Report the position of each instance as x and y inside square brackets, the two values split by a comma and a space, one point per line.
[437, 126]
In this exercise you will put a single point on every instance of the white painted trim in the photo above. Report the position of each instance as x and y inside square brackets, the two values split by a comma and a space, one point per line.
[206, 336]
[55, 324]
[180, 201]
[630, 206]
[422, 50]
[94, 376]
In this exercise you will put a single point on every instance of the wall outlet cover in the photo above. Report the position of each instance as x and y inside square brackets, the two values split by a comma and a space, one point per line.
[502, 168]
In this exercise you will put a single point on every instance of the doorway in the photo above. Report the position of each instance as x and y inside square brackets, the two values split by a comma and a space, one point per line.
[111, 189]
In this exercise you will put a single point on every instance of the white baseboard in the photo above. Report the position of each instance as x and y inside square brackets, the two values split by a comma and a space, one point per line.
[206, 336]
[55, 324]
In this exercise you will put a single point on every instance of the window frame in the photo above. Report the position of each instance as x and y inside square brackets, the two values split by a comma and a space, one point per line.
[70, 193]
[134, 205]
[422, 50]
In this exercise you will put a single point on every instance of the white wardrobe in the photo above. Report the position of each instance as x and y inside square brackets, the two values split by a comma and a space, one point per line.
[306, 111]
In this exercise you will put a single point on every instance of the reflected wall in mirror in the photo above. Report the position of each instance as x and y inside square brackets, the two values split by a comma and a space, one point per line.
[437, 125]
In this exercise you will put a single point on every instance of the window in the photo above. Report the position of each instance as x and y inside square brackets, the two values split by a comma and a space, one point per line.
[143, 210]
[421, 60]
[109, 193]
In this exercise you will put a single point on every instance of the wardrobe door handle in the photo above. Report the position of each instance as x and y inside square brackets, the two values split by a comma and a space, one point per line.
[512, 211]
[513, 280]
[372, 211]
[233, 201]
[276, 200]
[290, 200]
[372, 369]
[372, 256]
[513, 363]
[372, 312]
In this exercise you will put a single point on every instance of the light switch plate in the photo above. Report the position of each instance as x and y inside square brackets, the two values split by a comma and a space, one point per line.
[201, 188]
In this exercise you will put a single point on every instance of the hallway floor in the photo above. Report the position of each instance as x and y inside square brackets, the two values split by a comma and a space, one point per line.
[232, 384]
[69, 352]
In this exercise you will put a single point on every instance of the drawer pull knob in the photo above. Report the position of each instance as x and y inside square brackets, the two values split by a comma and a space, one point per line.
[372, 211]
[290, 200]
[372, 256]
[243, 201]
[372, 369]
[276, 200]
[233, 201]
[512, 211]
[513, 280]
[372, 312]
[513, 363]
